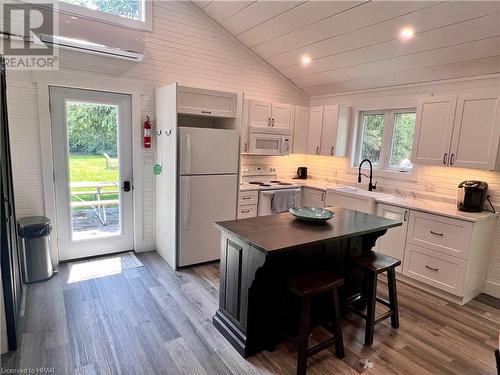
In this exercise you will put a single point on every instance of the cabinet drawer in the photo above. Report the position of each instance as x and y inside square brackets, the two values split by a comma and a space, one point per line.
[443, 234]
[432, 268]
[249, 197]
[245, 212]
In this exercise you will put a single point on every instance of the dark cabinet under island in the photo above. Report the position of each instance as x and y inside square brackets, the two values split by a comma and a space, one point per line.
[259, 254]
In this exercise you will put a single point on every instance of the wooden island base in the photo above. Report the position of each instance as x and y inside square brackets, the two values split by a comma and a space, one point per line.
[258, 255]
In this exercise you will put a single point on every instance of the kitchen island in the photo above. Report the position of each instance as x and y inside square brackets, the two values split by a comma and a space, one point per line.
[259, 254]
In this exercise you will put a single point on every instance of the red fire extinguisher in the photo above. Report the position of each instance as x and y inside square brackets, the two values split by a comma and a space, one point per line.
[148, 128]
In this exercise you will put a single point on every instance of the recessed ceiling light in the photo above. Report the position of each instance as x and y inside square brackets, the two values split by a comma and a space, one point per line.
[407, 33]
[306, 60]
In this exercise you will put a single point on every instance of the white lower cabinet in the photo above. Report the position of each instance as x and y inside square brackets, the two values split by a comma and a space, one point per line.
[394, 241]
[439, 253]
[313, 197]
[247, 204]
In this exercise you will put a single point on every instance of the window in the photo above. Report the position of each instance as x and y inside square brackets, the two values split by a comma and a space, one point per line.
[129, 13]
[386, 139]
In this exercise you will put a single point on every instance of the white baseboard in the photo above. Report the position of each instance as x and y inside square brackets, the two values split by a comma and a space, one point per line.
[492, 288]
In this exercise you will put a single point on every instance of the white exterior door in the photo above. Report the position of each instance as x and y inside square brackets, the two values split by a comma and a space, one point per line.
[394, 241]
[260, 113]
[92, 151]
[314, 136]
[477, 130]
[281, 115]
[433, 130]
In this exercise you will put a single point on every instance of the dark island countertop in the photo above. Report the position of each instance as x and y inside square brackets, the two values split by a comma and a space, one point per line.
[283, 231]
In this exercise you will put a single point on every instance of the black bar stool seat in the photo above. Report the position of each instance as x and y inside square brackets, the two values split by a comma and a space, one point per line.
[305, 287]
[372, 264]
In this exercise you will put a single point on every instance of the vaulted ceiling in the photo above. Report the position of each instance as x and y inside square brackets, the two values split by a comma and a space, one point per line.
[356, 45]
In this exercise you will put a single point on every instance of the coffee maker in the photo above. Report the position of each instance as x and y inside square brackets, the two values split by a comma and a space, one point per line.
[301, 173]
[471, 195]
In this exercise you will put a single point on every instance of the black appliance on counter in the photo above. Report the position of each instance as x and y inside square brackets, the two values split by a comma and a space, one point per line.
[472, 195]
[301, 173]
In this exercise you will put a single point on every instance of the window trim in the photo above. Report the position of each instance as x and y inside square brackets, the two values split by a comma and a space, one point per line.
[384, 170]
[145, 24]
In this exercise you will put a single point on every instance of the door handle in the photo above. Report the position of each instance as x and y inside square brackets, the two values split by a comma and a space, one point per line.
[317, 150]
[436, 233]
[188, 154]
[451, 159]
[322, 197]
[187, 203]
[127, 186]
[331, 151]
[272, 122]
[246, 147]
[269, 121]
[431, 268]
[405, 215]
[444, 158]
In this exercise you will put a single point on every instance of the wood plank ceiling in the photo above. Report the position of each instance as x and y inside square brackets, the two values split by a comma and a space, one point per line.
[355, 45]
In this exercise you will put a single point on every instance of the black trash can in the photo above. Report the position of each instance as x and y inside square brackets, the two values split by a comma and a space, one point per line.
[35, 248]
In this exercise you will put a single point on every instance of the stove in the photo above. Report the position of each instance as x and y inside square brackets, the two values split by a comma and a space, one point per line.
[264, 178]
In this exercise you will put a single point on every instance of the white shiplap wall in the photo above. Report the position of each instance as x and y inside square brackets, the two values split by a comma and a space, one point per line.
[186, 46]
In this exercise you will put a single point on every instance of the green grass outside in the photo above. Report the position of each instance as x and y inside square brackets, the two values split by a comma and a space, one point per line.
[92, 168]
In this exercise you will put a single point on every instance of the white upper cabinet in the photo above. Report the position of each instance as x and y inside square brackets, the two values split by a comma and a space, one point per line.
[260, 113]
[461, 131]
[200, 102]
[476, 135]
[267, 114]
[314, 134]
[329, 130]
[335, 133]
[301, 123]
[433, 130]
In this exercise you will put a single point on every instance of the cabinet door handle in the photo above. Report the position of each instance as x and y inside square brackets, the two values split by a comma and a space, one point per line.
[436, 233]
[245, 211]
[431, 268]
[451, 159]
[317, 150]
[331, 151]
[272, 122]
[246, 198]
[246, 147]
[269, 121]
[405, 215]
[207, 112]
[322, 197]
[444, 158]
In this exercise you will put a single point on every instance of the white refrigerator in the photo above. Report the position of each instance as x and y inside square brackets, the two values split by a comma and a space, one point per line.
[207, 190]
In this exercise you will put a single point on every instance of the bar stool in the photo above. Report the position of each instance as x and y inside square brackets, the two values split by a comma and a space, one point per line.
[305, 287]
[372, 264]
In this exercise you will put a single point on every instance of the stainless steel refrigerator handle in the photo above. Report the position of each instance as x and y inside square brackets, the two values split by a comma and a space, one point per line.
[187, 204]
[188, 153]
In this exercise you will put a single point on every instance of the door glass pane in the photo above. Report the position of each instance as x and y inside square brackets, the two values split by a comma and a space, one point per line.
[94, 178]
[402, 141]
[373, 126]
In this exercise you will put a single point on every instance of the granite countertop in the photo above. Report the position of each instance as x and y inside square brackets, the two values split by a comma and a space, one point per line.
[284, 232]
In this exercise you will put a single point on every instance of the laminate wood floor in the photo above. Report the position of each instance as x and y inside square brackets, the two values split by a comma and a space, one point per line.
[152, 320]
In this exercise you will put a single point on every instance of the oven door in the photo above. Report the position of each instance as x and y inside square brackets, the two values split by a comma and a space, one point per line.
[265, 197]
[266, 144]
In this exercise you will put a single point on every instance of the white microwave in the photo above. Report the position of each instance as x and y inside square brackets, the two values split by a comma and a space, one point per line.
[269, 142]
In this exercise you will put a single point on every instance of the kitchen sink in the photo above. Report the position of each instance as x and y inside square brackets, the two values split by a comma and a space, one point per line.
[354, 198]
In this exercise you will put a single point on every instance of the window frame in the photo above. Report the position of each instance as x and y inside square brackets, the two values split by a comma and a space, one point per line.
[383, 169]
[77, 10]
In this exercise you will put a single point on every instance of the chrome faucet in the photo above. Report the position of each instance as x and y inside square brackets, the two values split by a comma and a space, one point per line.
[371, 186]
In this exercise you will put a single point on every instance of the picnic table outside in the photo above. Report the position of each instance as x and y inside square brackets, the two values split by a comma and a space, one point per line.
[98, 204]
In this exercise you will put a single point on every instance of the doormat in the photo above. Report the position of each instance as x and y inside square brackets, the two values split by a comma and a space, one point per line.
[102, 266]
